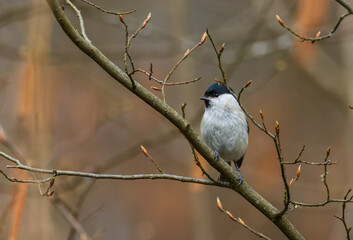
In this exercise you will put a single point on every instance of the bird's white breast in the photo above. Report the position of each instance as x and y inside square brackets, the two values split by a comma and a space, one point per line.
[224, 127]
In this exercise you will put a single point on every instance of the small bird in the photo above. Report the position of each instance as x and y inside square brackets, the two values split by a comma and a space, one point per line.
[224, 126]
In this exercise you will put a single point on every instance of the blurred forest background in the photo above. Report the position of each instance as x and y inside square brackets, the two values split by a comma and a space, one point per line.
[60, 110]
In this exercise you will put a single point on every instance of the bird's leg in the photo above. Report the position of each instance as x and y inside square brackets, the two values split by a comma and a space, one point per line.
[216, 156]
[240, 176]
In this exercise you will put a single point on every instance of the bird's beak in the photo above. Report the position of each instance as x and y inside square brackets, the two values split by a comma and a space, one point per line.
[204, 98]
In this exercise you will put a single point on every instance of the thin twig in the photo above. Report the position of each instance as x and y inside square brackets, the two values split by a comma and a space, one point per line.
[311, 163]
[151, 72]
[127, 46]
[198, 163]
[150, 77]
[186, 54]
[318, 35]
[277, 143]
[262, 120]
[169, 113]
[324, 176]
[240, 221]
[37, 181]
[61, 207]
[143, 25]
[80, 19]
[183, 109]
[153, 161]
[297, 175]
[107, 11]
[263, 127]
[343, 218]
[218, 54]
[57, 173]
[324, 180]
[345, 5]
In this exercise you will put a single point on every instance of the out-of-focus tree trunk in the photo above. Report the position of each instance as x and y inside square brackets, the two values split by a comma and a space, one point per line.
[346, 84]
[310, 15]
[331, 78]
[311, 57]
[32, 113]
[202, 224]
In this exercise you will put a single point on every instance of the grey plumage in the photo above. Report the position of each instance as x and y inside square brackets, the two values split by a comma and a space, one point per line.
[224, 126]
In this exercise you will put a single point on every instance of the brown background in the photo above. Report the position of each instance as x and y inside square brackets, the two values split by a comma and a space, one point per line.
[60, 110]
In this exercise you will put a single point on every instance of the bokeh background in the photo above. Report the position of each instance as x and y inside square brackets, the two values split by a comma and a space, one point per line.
[60, 110]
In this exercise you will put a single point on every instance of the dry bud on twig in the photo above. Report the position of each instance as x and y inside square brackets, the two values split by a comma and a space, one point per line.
[277, 127]
[203, 38]
[121, 19]
[318, 34]
[219, 205]
[291, 182]
[229, 214]
[186, 52]
[146, 20]
[280, 20]
[144, 151]
[150, 157]
[298, 172]
[183, 109]
[3, 138]
[222, 48]
[261, 114]
[328, 151]
[248, 83]
[241, 221]
[156, 88]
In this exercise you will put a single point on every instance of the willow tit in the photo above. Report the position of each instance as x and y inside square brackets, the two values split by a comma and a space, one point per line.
[224, 127]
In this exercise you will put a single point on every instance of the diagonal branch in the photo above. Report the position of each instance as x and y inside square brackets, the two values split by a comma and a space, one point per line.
[169, 113]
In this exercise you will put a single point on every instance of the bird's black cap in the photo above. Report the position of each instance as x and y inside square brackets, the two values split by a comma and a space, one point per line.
[216, 89]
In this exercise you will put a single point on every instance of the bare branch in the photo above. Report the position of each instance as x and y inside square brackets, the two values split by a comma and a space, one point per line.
[143, 25]
[57, 202]
[287, 200]
[345, 5]
[287, 196]
[169, 113]
[324, 180]
[186, 54]
[106, 11]
[343, 218]
[144, 150]
[57, 173]
[318, 35]
[324, 176]
[197, 161]
[259, 126]
[240, 221]
[80, 19]
[149, 74]
[218, 54]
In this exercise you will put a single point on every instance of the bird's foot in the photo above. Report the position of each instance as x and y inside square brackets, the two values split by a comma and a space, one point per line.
[216, 156]
[240, 176]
